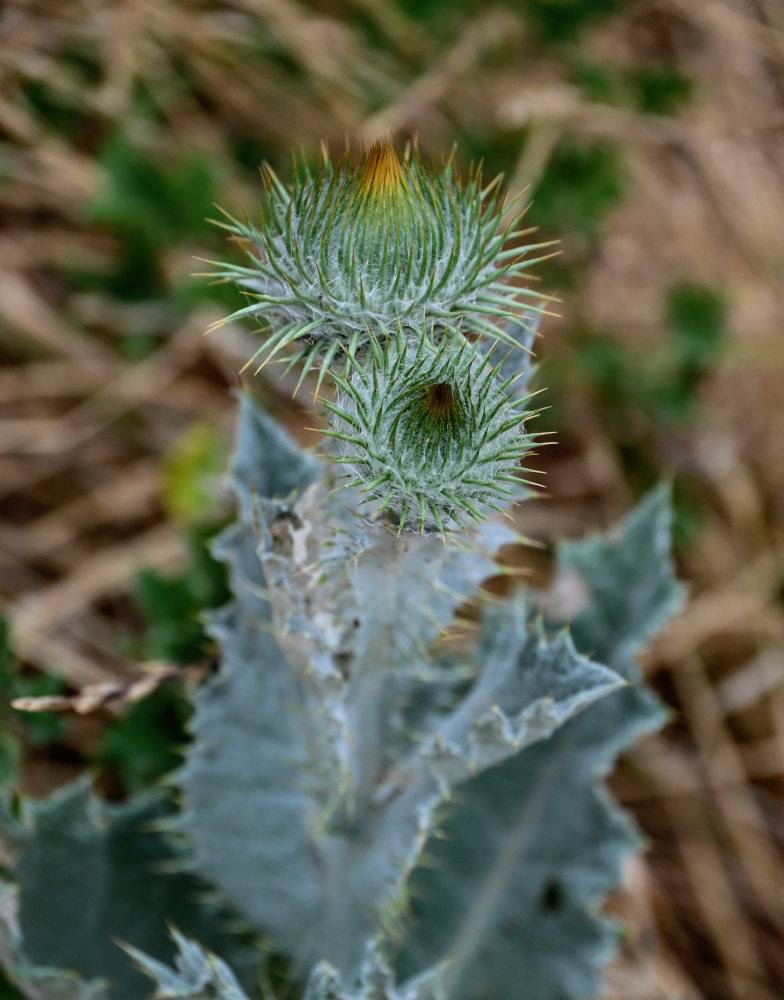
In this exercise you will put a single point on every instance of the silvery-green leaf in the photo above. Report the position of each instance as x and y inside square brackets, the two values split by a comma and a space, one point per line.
[266, 461]
[630, 583]
[527, 685]
[90, 874]
[35, 982]
[271, 784]
[245, 808]
[507, 894]
[307, 797]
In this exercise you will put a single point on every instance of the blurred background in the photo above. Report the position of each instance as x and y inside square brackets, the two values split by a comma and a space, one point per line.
[650, 137]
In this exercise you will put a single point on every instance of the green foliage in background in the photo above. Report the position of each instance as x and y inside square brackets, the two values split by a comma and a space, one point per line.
[173, 604]
[641, 391]
[554, 22]
[147, 740]
[149, 204]
[18, 729]
[582, 182]
[191, 474]
[661, 387]
[653, 88]
[559, 21]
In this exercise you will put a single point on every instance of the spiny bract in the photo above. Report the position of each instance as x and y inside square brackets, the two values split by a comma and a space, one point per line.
[374, 245]
[429, 432]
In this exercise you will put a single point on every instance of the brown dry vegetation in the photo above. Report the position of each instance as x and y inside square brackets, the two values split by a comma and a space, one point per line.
[84, 431]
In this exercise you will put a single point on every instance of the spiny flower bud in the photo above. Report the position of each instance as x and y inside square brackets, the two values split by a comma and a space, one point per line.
[374, 245]
[429, 433]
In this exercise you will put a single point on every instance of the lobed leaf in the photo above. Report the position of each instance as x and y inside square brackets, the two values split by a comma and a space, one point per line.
[507, 893]
[90, 874]
[307, 796]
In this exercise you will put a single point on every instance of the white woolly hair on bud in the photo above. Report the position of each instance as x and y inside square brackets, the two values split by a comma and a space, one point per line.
[429, 433]
[372, 245]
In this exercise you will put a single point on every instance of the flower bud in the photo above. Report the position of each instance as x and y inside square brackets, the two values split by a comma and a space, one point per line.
[376, 245]
[429, 433]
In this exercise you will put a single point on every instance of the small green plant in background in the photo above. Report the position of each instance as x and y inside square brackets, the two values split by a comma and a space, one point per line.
[393, 813]
[642, 391]
[145, 743]
[17, 729]
[654, 88]
[149, 206]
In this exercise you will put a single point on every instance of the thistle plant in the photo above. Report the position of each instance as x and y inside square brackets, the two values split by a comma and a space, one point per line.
[396, 814]
[430, 434]
[355, 249]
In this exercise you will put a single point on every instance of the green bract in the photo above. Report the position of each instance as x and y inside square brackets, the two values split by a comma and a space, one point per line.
[375, 245]
[429, 432]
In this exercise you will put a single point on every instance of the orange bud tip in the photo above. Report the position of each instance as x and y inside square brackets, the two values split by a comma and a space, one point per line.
[381, 172]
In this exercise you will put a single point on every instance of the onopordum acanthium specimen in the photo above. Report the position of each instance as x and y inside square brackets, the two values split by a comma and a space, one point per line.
[352, 249]
[398, 808]
[430, 434]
